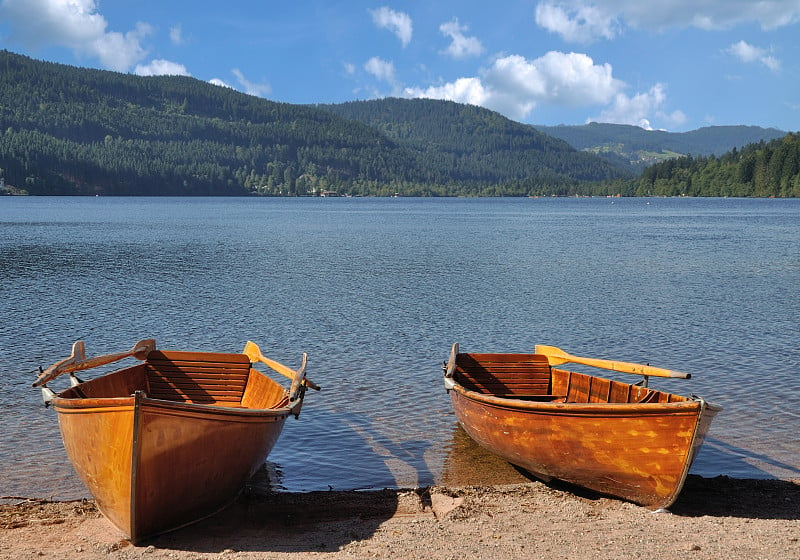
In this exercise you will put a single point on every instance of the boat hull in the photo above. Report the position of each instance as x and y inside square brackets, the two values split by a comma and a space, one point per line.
[154, 465]
[640, 452]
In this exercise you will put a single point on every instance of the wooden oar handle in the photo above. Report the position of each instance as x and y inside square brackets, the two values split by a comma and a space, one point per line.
[628, 367]
[556, 356]
[77, 360]
[450, 366]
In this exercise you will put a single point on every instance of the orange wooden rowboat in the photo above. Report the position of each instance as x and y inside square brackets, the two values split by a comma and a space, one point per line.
[619, 439]
[172, 440]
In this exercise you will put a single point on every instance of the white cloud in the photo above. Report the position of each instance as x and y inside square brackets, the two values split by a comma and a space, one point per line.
[587, 20]
[74, 24]
[117, 51]
[398, 23]
[749, 53]
[381, 69]
[514, 85]
[640, 109]
[581, 25]
[176, 35]
[251, 88]
[460, 46]
[220, 83]
[463, 90]
[160, 67]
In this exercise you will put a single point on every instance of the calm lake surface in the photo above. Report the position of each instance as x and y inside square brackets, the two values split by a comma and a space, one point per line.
[377, 290]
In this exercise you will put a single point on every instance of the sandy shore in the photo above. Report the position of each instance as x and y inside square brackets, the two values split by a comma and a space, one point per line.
[719, 518]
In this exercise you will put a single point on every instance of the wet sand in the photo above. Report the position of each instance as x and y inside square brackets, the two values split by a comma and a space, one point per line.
[718, 518]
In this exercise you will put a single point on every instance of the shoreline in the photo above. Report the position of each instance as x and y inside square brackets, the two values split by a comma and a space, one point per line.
[714, 518]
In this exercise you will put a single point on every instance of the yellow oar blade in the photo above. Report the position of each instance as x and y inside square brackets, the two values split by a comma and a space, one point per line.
[253, 352]
[556, 356]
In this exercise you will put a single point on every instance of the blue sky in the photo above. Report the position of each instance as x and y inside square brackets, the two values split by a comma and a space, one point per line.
[663, 64]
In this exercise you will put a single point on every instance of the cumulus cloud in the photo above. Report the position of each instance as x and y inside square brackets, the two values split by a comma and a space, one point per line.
[750, 53]
[639, 109]
[381, 69]
[514, 85]
[251, 88]
[220, 83]
[462, 90]
[160, 67]
[77, 25]
[176, 35]
[581, 24]
[587, 20]
[460, 46]
[398, 23]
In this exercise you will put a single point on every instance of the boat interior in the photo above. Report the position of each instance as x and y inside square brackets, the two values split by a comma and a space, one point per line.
[530, 377]
[188, 377]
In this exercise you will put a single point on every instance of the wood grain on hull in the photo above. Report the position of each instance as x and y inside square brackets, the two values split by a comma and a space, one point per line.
[612, 437]
[168, 442]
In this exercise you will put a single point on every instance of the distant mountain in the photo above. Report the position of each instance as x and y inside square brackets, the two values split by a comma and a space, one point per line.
[68, 130]
[636, 148]
[76, 131]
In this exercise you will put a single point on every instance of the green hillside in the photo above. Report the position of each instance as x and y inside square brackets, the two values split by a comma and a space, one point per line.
[636, 148]
[68, 130]
[472, 143]
[75, 131]
[766, 169]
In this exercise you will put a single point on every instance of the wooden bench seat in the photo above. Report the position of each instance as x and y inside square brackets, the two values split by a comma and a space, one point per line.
[505, 375]
[197, 377]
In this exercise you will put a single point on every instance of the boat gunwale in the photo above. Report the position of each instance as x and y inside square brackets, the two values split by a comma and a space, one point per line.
[77, 405]
[690, 405]
[84, 405]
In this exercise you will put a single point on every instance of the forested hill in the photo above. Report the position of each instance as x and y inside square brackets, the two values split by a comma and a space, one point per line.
[766, 169]
[68, 130]
[473, 142]
[636, 148]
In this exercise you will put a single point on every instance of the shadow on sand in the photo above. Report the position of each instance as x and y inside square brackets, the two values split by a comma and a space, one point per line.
[265, 519]
[288, 522]
[722, 496]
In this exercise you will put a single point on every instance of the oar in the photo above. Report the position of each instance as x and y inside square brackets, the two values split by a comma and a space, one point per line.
[450, 366]
[77, 360]
[556, 356]
[252, 351]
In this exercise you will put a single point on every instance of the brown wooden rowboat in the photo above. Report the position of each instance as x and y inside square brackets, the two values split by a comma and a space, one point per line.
[619, 439]
[172, 440]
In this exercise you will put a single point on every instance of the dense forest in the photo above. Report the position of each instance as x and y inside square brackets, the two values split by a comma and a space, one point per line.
[68, 130]
[472, 142]
[76, 131]
[766, 169]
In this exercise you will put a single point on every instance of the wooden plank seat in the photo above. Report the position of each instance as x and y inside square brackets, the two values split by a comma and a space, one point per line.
[525, 376]
[197, 377]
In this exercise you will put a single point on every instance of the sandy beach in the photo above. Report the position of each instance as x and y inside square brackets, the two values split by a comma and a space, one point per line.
[718, 518]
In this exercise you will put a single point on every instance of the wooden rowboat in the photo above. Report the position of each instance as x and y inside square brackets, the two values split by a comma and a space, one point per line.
[172, 440]
[619, 439]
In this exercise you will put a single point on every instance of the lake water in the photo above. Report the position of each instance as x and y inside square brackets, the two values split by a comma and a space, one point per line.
[377, 290]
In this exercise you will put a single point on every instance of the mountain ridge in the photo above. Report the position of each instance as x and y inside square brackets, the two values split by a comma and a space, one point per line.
[636, 148]
[77, 131]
